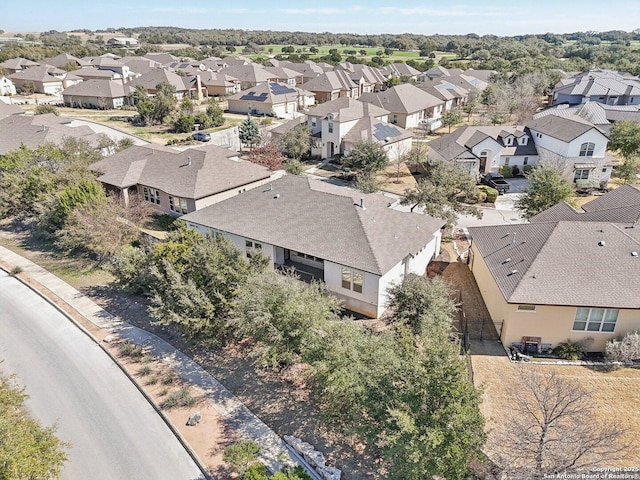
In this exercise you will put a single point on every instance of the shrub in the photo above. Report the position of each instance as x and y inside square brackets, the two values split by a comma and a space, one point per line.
[293, 166]
[130, 349]
[46, 108]
[515, 170]
[16, 270]
[257, 471]
[169, 379]
[624, 350]
[167, 222]
[491, 194]
[587, 184]
[506, 171]
[569, 350]
[241, 454]
[144, 371]
[184, 123]
[179, 398]
[527, 169]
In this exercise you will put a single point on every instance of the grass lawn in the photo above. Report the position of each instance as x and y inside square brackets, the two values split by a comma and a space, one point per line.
[616, 393]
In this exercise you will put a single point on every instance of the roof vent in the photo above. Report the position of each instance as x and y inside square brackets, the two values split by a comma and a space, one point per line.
[506, 260]
[188, 160]
[512, 272]
[601, 243]
[277, 195]
[362, 203]
[634, 254]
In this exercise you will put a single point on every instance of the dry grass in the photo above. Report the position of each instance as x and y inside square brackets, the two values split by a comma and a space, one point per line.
[616, 393]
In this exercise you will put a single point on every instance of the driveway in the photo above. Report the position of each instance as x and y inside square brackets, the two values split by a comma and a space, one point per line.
[518, 184]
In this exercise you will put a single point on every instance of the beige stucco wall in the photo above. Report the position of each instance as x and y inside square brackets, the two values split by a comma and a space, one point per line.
[552, 323]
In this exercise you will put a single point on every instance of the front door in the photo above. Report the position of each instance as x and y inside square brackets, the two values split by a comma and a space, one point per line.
[330, 149]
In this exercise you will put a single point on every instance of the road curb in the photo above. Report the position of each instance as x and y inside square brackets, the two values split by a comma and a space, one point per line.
[8, 269]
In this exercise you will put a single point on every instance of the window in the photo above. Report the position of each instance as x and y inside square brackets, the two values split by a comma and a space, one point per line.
[178, 205]
[506, 161]
[330, 127]
[151, 195]
[595, 319]
[509, 141]
[352, 279]
[604, 170]
[313, 122]
[581, 174]
[526, 308]
[252, 247]
[586, 149]
[526, 161]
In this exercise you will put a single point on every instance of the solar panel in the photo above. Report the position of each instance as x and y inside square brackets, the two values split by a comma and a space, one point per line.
[382, 131]
[255, 98]
[278, 89]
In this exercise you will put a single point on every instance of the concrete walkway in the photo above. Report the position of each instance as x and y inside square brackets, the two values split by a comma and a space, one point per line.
[273, 448]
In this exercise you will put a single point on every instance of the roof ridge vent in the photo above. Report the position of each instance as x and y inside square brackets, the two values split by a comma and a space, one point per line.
[634, 254]
[601, 243]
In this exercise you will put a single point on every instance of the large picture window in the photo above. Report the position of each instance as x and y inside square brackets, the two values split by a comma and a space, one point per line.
[151, 195]
[178, 205]
[595, 319]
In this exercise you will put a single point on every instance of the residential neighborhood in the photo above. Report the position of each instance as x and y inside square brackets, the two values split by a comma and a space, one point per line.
[319, 255]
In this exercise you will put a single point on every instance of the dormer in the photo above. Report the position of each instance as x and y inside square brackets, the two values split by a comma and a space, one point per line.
[523, 140]
[509, 141]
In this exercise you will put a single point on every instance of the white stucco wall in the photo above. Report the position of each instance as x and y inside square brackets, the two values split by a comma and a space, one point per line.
[365, 302]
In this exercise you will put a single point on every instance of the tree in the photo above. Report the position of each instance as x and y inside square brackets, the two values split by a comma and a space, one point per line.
[629, 169]
[164, 102]
[624, 350]
[443, 191]
[296, 142]
[248, 131]
[451, 118]
[547, 187]
[184, 123]
[367, 158]
[280, 313]
[420, 303]
[267, 154]
[215, 114]
[27, 450]
[625, 137]
[552, 428]
[472, 105]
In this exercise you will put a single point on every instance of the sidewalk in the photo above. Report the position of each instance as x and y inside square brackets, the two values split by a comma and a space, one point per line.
[273, 448]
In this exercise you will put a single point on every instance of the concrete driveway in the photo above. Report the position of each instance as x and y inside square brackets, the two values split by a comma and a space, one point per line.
[518, 184]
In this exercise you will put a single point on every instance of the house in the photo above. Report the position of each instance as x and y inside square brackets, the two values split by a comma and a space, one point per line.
[480, 150]
[14, 65]
[331, 85]
[179, 182]
[6, 86]
[249, 75]
[567, 275]
[409, 106]
[163, 59]
[576, 146]
[101, 94]
[126, 42]
[354, 243]
[598, 85]
[602, 115]
[273, 99]
[285, 75]
[17, 129]
[64, 60]
[338, 125]
[92, 73]
[401, 70]
[219, 84]
[151, 79]
[45, 79]
[369, 79]
[570, 143]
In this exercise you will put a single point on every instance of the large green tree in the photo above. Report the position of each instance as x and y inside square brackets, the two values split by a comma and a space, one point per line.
[451, 118]
[547, 187]
[296, 142]
[27, 450]
[443, 192]
[248, 131]
[625, 137]
[367, 157]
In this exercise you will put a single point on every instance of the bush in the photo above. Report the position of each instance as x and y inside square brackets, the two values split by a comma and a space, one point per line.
[184, 123]
[587, 184]
[624, 350]
[293, 166]
[179, 398]
[491, 194]
[527, 169]
[569, 350]
[167, 222]
[129, 349]
[515, 170]
[506, 171]
[46, 108]
[241, 454]
[16, 270]
[257, 471]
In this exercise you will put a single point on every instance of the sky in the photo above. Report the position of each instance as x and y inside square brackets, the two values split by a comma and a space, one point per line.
[497, 17]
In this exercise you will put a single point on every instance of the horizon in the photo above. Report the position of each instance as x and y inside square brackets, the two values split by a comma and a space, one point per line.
[461, 17]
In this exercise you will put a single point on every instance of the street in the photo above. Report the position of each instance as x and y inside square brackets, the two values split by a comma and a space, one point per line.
[115, 433]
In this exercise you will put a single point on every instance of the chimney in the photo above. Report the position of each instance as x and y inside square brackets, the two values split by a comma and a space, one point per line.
[362, 203]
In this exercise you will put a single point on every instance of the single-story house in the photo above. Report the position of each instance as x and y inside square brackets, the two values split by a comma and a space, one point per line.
[45, 79]
[567, 275]
[14, 65]
[101, 94]
[274, 99]
[355, 243]
[179, 182]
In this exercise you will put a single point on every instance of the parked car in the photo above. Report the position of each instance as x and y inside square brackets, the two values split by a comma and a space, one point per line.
[201, 136]
[497, 181]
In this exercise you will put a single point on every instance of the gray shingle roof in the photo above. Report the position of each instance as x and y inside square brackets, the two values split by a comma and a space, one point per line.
[345, 109]
[404, 98]
[96, 88]
[562, 128]
[211, 170]
[323, 220]
[563, 263]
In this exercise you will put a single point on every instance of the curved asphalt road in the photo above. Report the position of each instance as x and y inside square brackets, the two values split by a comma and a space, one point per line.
[115, 433]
